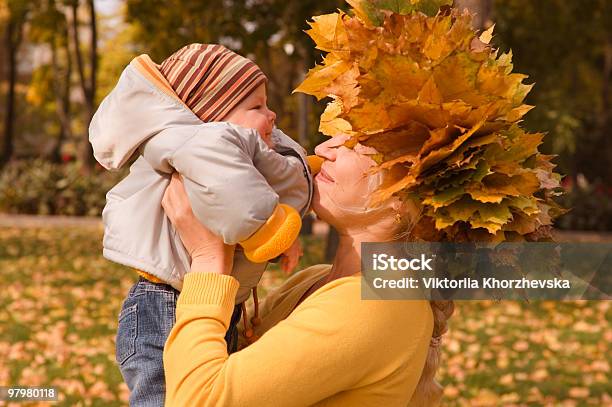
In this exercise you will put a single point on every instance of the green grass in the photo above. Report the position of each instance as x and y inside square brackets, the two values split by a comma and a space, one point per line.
[60, 299]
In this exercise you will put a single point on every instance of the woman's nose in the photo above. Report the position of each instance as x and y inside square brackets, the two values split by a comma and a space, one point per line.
[329, 148]
[324, 150]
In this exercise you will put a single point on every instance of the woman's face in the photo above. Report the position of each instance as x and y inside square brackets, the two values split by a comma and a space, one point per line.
[343, 187]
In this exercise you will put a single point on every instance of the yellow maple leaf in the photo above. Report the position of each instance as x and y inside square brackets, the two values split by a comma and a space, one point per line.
[487, 35]
[328, 32]
[331, 124]
[319, 78]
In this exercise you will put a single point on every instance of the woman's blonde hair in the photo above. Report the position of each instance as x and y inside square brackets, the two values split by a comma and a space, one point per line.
[428, 391]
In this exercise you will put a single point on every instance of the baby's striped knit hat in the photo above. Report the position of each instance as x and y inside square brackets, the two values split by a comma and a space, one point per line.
[210, 79]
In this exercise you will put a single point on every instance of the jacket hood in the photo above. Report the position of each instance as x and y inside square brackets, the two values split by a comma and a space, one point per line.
[141, 105]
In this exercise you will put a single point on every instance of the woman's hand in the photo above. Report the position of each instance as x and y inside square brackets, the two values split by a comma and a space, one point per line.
[208, 251]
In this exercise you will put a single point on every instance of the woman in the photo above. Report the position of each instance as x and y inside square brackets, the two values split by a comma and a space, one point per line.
[319, 342]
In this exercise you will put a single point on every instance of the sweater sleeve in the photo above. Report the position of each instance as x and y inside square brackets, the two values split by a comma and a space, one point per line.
[300, 361]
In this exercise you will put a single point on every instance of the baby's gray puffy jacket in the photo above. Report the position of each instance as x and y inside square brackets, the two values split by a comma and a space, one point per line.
[233, 179]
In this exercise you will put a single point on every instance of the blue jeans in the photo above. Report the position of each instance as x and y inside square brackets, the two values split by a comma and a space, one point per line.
[146, 318]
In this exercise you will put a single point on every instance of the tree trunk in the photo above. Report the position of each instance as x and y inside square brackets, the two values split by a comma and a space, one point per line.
[88, 87]
[605, 122]
[93, 51]
[332, 244]
[14, 32]
[3, 58]
[307, 223]
[62, 94]
[303, 112]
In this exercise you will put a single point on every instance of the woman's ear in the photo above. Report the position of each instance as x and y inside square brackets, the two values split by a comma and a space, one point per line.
[397, 205]
[408, 209]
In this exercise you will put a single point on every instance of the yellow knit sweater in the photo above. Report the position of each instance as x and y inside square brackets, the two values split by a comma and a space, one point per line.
[332, 349]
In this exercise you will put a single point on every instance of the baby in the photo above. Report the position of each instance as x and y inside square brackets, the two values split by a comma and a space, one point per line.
[202, 113]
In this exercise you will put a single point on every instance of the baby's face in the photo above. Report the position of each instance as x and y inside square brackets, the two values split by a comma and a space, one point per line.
[253, 113]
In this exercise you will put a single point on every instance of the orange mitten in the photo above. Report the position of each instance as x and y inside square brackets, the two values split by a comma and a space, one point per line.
[314, 162]
[275, 236]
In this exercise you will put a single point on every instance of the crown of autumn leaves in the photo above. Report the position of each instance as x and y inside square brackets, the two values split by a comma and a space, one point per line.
[412, 79]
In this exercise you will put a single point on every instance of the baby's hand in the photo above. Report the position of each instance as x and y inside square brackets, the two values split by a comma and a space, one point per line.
[291, 257]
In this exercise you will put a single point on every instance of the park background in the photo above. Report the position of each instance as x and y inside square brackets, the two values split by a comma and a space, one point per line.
[60, 299]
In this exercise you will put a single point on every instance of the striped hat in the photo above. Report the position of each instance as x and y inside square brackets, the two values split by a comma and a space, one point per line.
[210, 79]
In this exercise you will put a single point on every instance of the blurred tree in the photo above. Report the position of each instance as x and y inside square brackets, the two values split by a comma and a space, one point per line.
[16, 12]
[87, 80]
[565, 47]
[118, 46]
[4, 17]
[483, 10]
[49, 27]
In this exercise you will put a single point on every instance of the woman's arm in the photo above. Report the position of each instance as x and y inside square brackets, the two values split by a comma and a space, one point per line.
[208, 252]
